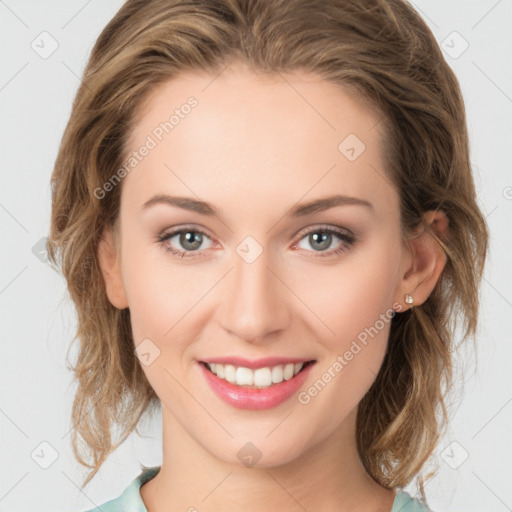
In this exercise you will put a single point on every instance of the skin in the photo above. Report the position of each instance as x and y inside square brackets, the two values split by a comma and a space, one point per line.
[254, 147]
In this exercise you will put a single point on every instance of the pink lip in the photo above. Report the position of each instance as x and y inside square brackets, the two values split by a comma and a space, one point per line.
[254, 398]
[257, 363]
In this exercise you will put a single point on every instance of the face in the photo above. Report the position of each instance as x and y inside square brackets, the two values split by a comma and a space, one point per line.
[255, 278]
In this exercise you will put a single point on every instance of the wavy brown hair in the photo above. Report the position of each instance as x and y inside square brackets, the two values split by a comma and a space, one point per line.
[380, 50]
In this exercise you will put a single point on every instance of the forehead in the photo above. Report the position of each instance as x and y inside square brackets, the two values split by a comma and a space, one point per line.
[245, 132]
[258, 99]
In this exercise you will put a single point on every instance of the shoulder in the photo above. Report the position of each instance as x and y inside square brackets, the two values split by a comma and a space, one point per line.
[130, 500]
[404, 502]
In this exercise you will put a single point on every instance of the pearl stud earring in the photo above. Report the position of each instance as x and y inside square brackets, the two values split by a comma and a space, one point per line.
[408, 299]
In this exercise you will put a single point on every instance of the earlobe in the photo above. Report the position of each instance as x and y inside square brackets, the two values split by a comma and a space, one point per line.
[109, 262]
[425, 261]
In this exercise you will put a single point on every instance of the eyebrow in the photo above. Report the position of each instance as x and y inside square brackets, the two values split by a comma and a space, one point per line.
[300, 210]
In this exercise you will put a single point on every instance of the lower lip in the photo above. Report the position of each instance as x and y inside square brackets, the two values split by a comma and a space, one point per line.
[255, 398]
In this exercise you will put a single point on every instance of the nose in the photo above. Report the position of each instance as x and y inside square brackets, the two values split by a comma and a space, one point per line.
[255, 306]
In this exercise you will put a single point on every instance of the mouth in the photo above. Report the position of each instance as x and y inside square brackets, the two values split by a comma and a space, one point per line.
[261, 377]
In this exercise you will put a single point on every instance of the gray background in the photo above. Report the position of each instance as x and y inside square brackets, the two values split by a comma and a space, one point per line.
[37, 320]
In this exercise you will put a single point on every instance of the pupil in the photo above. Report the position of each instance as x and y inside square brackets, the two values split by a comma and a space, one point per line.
[324, 241]
[192, 238]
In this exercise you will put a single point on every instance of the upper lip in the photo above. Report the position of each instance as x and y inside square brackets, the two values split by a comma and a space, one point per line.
[256, 363]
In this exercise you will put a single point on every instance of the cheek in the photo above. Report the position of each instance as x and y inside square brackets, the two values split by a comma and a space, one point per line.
[354, 302]
[157, 301]
[359, 313]
[166, 308]
[158, 293]
[353, 295]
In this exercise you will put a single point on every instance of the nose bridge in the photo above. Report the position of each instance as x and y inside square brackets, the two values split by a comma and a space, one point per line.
[255, 305]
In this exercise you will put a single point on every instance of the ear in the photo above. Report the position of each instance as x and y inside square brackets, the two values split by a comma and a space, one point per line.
[109, 261]
[423, 260]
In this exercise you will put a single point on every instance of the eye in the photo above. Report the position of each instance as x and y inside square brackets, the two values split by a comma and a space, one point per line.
[187, 242]
[321, 238]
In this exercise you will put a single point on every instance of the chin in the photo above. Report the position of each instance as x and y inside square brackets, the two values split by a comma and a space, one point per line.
[259, 453]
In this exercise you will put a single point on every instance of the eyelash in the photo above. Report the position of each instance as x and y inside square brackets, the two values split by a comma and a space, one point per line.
[347, 239]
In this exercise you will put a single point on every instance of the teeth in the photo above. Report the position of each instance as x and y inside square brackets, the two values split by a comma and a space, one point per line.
[263, 377]
[220, 370]
[277, 374]
[229, 372]
[288, 371]
[244, 376]
[260, 378]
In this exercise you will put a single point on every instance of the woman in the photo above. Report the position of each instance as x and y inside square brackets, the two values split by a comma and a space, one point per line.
[267, 220]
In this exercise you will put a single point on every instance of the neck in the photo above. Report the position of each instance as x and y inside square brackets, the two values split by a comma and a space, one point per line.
[327, 477]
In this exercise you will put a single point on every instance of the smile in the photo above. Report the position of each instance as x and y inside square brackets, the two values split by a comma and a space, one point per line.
[259, 388]
[259, 378]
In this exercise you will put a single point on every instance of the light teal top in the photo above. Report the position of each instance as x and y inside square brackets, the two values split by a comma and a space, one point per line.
[130, 500]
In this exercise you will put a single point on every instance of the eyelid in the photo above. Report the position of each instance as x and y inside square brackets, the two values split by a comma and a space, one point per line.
[168, 232]
[346, 235]
[326, 227]
[347, 238]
